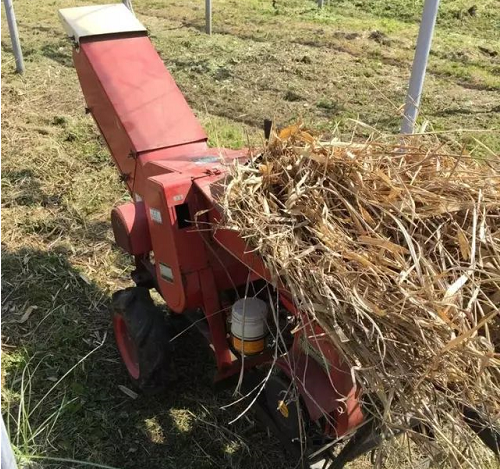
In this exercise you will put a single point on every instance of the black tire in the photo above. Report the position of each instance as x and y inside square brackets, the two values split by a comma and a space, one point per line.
[143, 339]
[288, 429]
[489, 435]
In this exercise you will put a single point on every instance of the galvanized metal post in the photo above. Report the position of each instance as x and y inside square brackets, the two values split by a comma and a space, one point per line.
[8, 460]
[208, 16]
[321, 3]
[419, 65]
[128, 4]
[14, 35]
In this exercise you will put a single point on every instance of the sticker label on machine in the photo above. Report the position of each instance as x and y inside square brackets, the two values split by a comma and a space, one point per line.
[166, 272]
[155, 215]
[207, 160]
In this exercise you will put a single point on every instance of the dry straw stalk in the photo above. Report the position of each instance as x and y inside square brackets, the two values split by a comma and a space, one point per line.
[394, 249]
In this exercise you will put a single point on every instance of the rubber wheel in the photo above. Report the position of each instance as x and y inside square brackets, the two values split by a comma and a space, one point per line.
[283, 422]
[143, 338]
[282, 407]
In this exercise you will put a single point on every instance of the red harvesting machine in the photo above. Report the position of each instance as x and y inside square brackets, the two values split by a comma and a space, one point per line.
[207, 275]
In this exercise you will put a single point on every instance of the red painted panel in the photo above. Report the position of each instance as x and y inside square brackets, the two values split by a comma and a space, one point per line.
[103, 112]
[315, 388]
[340, 395]
[130, 228]
[142, 93]
[194, 160]
[162, 239]
[181, 249]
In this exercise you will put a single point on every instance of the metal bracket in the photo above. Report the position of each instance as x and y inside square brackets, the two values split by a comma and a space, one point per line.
[268, 126]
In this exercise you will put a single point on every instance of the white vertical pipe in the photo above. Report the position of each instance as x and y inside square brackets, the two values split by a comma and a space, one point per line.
[419, 65]
[8, 460]
[321, 3]
[208, 16]
[128, 4]
[14, 35]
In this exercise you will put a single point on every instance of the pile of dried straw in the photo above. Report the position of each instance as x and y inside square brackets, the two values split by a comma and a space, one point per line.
[394, 249]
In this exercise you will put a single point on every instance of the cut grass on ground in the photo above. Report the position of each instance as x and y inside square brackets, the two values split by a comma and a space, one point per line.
[283, 60]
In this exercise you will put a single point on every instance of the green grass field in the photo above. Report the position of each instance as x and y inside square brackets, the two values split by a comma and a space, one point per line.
[283, 60]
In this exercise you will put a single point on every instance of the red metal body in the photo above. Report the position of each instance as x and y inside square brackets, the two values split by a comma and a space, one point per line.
[162, 153]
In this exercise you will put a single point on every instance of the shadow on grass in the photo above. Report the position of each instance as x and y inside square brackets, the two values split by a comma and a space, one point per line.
[59, 53]
[52, 318]
[28, 191]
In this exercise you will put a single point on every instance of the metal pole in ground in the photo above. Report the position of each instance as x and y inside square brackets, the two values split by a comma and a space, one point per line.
[8, 460]
[208, 16]
[128, 4]
[419, 66]
[14, 35]
[321, 3]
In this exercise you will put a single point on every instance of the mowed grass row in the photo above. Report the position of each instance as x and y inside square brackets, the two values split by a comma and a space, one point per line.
[283, 60]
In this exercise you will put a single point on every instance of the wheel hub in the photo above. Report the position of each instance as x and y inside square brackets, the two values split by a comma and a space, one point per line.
[126, 346]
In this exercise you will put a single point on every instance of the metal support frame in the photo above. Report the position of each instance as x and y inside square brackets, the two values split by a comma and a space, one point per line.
[14, 35]
[419, 65]
[208, 16]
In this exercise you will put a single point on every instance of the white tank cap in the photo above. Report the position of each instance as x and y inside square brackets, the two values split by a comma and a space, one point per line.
[248, 319]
